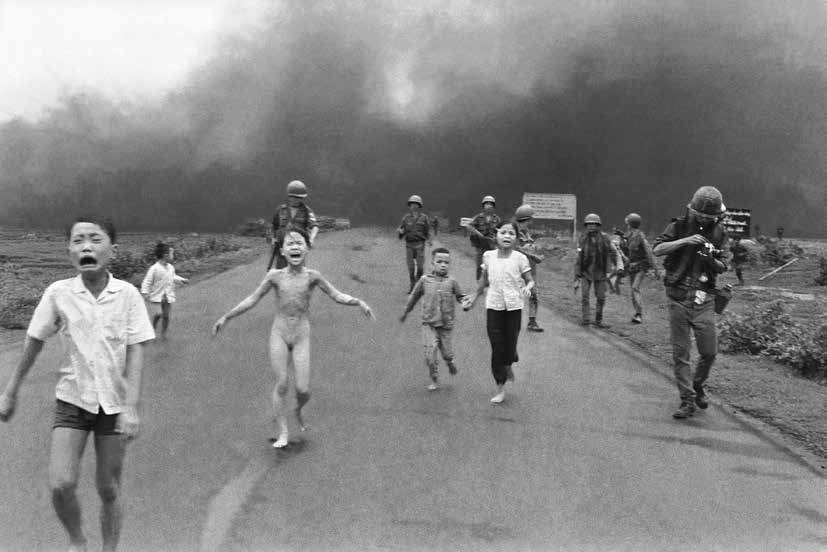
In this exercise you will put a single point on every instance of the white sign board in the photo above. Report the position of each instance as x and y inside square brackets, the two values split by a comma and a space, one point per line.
[552, 206]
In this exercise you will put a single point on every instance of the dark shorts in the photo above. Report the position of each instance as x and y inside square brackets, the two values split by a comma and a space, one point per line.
[74, 417]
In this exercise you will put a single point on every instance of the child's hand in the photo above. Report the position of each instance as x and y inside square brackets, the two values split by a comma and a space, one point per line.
[7, 404]
[128, 422]
[526, 291]
[217, 327]
[468, 302]
[366, 309]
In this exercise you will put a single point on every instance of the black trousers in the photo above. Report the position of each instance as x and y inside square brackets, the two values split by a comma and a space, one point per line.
[503, 329]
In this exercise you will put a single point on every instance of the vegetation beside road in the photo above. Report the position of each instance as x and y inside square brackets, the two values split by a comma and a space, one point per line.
[30, 261]
[780, 378]
[783, 315]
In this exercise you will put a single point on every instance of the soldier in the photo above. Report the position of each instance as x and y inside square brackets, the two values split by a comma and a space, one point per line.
[415, 229]
[293, 215]
[523, 216]
[640, 261]
[595, 254]
[693, 245]
[483, 228]
[740, 256]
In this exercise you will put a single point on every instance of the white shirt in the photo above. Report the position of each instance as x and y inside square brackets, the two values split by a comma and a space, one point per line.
[159, 281]
[505, 279]
[94, 334]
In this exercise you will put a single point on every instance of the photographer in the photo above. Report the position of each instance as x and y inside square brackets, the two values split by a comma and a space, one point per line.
[693, 247]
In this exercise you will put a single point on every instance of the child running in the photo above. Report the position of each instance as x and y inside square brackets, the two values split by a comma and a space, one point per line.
[158, 287]
[507, 276]
[438, 291]
[290, 334]
[102, 323]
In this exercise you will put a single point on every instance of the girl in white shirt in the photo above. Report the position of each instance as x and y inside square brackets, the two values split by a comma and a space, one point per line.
[158, 287]
[506, 273]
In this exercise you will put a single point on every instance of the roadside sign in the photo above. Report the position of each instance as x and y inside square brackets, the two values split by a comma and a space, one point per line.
[737, 222]
[552, 206]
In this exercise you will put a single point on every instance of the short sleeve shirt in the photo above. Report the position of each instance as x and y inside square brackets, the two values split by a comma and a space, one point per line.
[505, 279]
[94, 333]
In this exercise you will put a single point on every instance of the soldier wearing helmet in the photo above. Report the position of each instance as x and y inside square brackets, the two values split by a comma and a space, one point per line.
[293, 215]
[483, 229]
[693, 246]
[523, 217]
[595, 256]
[640, 261]
[415, 229]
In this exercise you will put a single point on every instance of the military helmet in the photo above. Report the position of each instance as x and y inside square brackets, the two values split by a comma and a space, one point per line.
[489, 199]
[415, 199]
[297, 189]
[592, 218]
[632, 218]
[524, 212]
[707, 201]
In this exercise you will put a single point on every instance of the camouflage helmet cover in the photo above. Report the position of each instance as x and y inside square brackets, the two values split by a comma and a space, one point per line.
[707, 200]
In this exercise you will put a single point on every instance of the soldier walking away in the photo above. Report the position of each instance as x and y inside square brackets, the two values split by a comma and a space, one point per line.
[523, 216]
[415, 229]
[740, 256]
[293, 215]
[693, 245]
[483, 229]
[640, 261]
[595, 255]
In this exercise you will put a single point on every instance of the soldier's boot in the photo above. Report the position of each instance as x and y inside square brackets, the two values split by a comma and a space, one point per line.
[685, 410]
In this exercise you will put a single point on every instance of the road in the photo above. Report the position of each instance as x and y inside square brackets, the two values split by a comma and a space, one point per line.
[583, 455]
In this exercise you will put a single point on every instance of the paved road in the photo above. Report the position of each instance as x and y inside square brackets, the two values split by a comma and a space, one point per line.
[583, 455]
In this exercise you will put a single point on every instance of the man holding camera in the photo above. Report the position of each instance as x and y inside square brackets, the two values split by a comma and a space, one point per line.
[693, 246]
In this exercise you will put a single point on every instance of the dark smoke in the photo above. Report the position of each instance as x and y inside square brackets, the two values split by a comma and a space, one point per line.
[628, 108]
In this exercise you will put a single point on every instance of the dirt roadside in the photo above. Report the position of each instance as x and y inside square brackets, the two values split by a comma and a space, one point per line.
[791, 408]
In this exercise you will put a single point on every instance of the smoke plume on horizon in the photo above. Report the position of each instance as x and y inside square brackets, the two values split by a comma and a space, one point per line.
[630, 106]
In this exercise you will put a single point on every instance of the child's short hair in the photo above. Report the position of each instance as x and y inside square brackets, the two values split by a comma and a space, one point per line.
[439, 250]
[105, 223]
[502, 223]
[161, 249]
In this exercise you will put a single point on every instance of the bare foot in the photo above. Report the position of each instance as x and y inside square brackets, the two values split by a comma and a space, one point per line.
[281, 442]
[300, 420]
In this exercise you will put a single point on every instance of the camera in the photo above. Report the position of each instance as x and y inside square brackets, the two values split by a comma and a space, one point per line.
[708, 250]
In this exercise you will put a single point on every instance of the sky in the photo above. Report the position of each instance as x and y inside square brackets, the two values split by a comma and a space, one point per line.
[125, 49]
[153, 108]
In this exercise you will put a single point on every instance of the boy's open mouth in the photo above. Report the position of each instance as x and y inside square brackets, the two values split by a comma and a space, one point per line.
[88, 261]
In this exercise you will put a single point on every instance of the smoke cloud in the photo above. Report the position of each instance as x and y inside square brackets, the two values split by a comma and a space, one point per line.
[629, 105]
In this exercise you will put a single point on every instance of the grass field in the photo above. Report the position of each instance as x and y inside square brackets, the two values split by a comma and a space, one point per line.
[30, 260]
